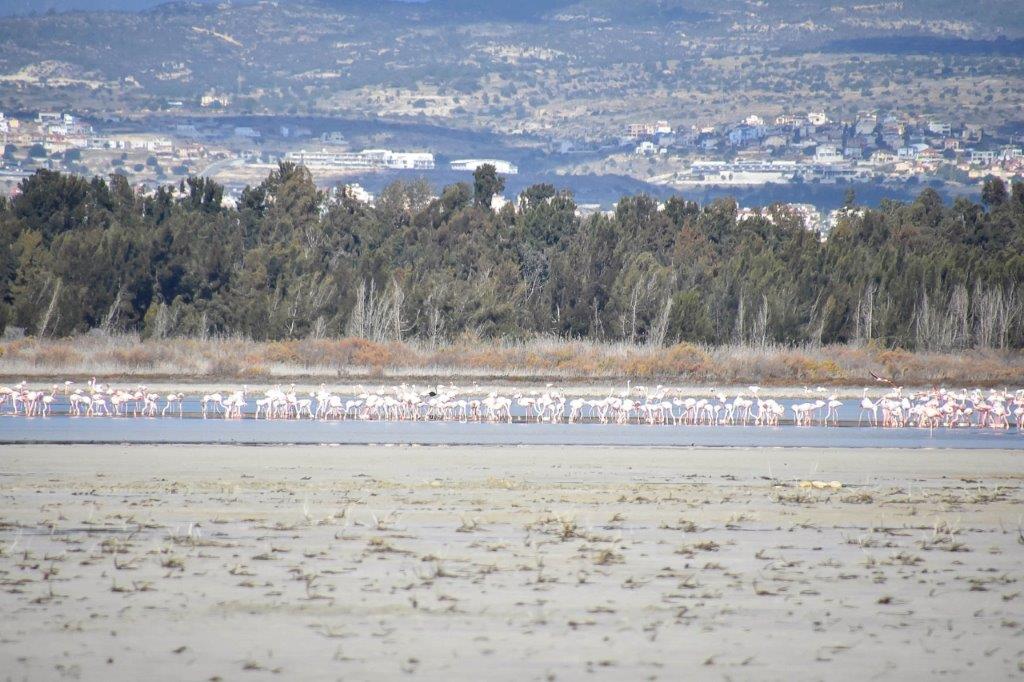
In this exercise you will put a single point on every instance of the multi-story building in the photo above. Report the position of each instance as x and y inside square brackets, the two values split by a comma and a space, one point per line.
[471, 165]
[368, 159]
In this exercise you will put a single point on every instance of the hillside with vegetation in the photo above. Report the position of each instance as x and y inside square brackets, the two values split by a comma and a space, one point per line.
[575, 69]
[294, 262]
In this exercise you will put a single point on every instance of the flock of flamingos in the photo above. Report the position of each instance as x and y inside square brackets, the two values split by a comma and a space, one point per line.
[634, 404]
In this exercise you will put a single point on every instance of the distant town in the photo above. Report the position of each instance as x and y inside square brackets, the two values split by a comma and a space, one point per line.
[814, 148]
[809, 148]
[63, 141]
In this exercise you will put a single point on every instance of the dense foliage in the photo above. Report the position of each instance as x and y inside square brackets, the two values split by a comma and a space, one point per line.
[292, 261]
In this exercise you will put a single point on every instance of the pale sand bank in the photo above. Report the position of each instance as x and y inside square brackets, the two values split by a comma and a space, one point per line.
[177, 562]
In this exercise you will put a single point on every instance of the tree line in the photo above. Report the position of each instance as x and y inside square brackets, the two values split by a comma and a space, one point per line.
[290, 260]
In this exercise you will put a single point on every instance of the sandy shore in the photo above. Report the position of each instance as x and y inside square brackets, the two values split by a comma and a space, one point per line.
[201, 563]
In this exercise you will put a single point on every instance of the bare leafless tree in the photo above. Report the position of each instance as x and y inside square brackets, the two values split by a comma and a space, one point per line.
[50, 309]
[865, 317]
[377, 317]
[759, 333]
[659, 327]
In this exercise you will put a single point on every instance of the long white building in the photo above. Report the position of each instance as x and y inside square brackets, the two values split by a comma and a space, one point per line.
[742, 172]
[471, 165]
[368, 159]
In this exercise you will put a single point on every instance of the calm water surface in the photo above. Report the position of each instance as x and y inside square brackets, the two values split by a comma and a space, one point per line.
[62, 429]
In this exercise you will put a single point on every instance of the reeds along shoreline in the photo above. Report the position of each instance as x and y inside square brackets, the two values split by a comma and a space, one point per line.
[538, 359]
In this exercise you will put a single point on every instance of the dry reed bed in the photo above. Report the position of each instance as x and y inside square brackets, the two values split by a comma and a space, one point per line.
[538, 359]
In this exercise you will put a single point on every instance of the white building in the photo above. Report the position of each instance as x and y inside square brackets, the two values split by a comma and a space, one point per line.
[983, 158]
[882, 157]
[368, 159]
[805, 213]
[828, 153]
[817, 118]
[357, 192]
[741, 172]
[149, 143]
[646, 148]
[332, 138]
[410, 161]
[911, 151]
[638, 130]
[866, 125]
[471, 165]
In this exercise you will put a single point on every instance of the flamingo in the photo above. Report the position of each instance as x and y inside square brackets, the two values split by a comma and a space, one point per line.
[172, 399]
[867, 406]
[937, 407]
[833, 410]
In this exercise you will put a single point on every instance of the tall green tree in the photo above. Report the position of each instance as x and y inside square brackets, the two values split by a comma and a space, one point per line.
[486, 185]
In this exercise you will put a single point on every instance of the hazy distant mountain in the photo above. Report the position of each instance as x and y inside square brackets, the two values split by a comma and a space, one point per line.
[480, 9]
[1006, 13]
[9, 7]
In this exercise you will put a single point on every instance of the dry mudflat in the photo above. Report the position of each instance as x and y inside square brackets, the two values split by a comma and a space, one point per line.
[509, 563]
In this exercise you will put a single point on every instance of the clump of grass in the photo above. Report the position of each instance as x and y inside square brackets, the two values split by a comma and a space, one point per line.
[905, 559]
[703, 546]
[176, 563]
[468, 526]
[564, 528]
[606, 557]
[795, 497]
[943, 537]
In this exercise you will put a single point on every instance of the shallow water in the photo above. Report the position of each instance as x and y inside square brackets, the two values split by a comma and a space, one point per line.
[63, 429]
[192, 407]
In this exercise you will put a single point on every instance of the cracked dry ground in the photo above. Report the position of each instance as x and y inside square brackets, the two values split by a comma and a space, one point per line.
[205, 563]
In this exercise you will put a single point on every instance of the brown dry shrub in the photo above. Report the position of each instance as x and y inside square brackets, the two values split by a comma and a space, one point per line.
[56, 355]
[320, 352]
[536, 361]
[800, 367]
[445, 357]
[226, 366]
[364, 353]
[329, 353]
[636, 366]
[485, 358]
[997, 368]
[852, 357]
[135, 358]
[17, 348]
[281, 351]
[255, 371]
[561, 357]
[587, 364]
[897, 362]
[685, 359]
